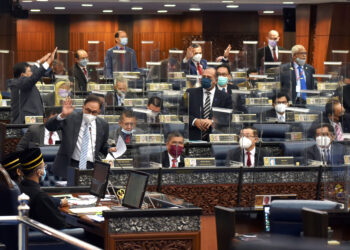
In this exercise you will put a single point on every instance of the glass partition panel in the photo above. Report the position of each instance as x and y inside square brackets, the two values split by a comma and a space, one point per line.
[207, 49]
[60, 65]
[334, 69]
[156, 71]
[176, 69]
[340, 55]
[96, 51]
[250, 54]
[150, 52]
[284, 56]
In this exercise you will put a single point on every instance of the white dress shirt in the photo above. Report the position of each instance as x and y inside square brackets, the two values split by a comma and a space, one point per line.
[54, 137]
[171, 161]
[281, 118]
[322, 153]
[252, 157]
[212, 93]
[82, 70]
[276, 49]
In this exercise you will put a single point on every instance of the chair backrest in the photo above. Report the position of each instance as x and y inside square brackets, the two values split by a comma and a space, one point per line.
[49, 153]
[296, 149]
[272, 131]
[225, 226]
[256, 109]
[220, 153]
[315, 223]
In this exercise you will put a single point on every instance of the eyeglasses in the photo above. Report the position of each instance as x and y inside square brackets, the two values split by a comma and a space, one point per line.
[245, 135]
[89, 111]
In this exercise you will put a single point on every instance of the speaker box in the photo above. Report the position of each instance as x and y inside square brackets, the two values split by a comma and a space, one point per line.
[5, 6]
[289, 19]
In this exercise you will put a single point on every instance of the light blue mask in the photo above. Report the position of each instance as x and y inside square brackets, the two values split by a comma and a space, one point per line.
[42, 178]
[83, 62]
[124, 41]
[127, 132]
[222, 81]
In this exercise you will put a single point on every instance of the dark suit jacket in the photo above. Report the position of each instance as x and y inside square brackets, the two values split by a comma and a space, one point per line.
[196, 109]
[79, 78]
[288, 79]
[238, 103]
[265, 55]
[190, 68]
[25, 97]
[337, 154]
[237, 155]
[344, 121]
[70, 128]
[34, 137]
[164, 159]
[130, 64]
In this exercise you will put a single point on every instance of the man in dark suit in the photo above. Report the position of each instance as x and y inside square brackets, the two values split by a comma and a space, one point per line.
[37, 135]
[120, 62]
[269, 53]
[278, 112]
[84, 135]
[201, 102]
[25, 97]
[172, 157]
[127, 125]
[326, 150]
[297, 75]
[80, 71]
[193, 64]
[247, 153]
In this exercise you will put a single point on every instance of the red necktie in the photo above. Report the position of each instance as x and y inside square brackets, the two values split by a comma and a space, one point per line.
[85, 72]
[50, 138]
[122, 56]
[199, 68]
[249, 162]
[174, 163]
[127, 139]
[274, 54]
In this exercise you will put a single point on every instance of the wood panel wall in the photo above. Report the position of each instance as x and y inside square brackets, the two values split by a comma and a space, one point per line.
[267, 23]
[35, 37]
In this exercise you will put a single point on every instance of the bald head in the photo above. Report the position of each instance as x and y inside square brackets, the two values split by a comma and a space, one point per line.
[81, 54]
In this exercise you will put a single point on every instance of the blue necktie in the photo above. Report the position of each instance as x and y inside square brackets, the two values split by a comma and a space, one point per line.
[84, 148]
[302, 81]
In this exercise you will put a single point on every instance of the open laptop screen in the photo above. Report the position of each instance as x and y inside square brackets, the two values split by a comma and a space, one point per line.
[135, 189]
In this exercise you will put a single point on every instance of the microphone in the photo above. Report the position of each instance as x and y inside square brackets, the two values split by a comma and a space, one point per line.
[92, 146]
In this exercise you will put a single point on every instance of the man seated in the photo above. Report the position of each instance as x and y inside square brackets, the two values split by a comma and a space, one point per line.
[43, 208]
[247, 153]
[173, 156]
[326, 149]
[37, 135]
[250, 82]
[278, 112]
[127, 125]
[13, 167]
[155, 105]
[120, 91]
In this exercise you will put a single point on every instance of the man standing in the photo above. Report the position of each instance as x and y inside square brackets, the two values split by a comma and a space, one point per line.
[25, 97]
[269, 53]
[297, 75]
[193, 64]
[125, 61]
[80, 70]
[84, 136]
[201, 102]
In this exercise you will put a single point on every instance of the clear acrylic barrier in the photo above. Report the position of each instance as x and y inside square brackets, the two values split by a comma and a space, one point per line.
[193, 81]
[121, 61]
[156, 71]
[6, 67]
[175, 72]
[340, 55]
[96, 51]
[272, 70]
[334, 69]
[207, 49]
[236, 60]
[150, 52]
[61, 64]
[250, 54]
[284, 56]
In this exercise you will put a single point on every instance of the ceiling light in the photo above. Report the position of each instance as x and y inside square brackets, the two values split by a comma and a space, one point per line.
[195, 9]
[169, 5]
[227, 1]
[60, 8]
[42, 0]
[288, 2]
[107, 11]
[162, 11]
[232, 6]
[26, 1]
[268, 11]
[137, 8]
[87, 5]
[35, 10]
[124, 1]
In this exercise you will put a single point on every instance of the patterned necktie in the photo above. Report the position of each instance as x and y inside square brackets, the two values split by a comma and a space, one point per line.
[274, 54]
[302, 81]
[174, 161]
[326, 156]
[85, 72]
[206, 114]
[199, 69]
[338, 132]
[84, 148]
[50, 138]
[249, 161]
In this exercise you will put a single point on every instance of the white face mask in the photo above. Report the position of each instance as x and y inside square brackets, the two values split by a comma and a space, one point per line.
[323, 141]
[127, 131]
[197, 57]
[300, 62]
[245, 142]
[124, 41]
[88, 118]
[280, 107]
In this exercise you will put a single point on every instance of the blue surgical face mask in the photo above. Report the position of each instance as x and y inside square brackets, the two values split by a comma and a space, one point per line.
[206, 83]
[124, 41]
[42, 178]
[84, 62]
[127, 132]
[222, 81]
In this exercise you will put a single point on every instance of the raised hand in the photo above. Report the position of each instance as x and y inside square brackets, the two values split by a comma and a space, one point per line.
[67, 107]
[52, 56]
[189, 53]
[227, 51]
[44, 58]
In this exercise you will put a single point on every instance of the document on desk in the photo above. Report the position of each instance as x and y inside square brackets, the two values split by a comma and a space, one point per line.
[121, 148]
[88, 210]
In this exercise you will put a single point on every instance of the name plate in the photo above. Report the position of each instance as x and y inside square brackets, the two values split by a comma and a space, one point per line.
[266, 199]
[149, 138]
[223, 138]
[317, 101]
[305, 117]
[200, 162]
[327, 85]
[45, 88]
[258, 101]
[279, 161]
[240, 118]
[135, 102]
[347, 159]
[78, 102]
[33, 120]
[99, 87]
[294, 136]
[268, 85]
[123, 163]
[5, 103]
[159, 86]
[110, 118]
[176, 75]
[169, 119]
